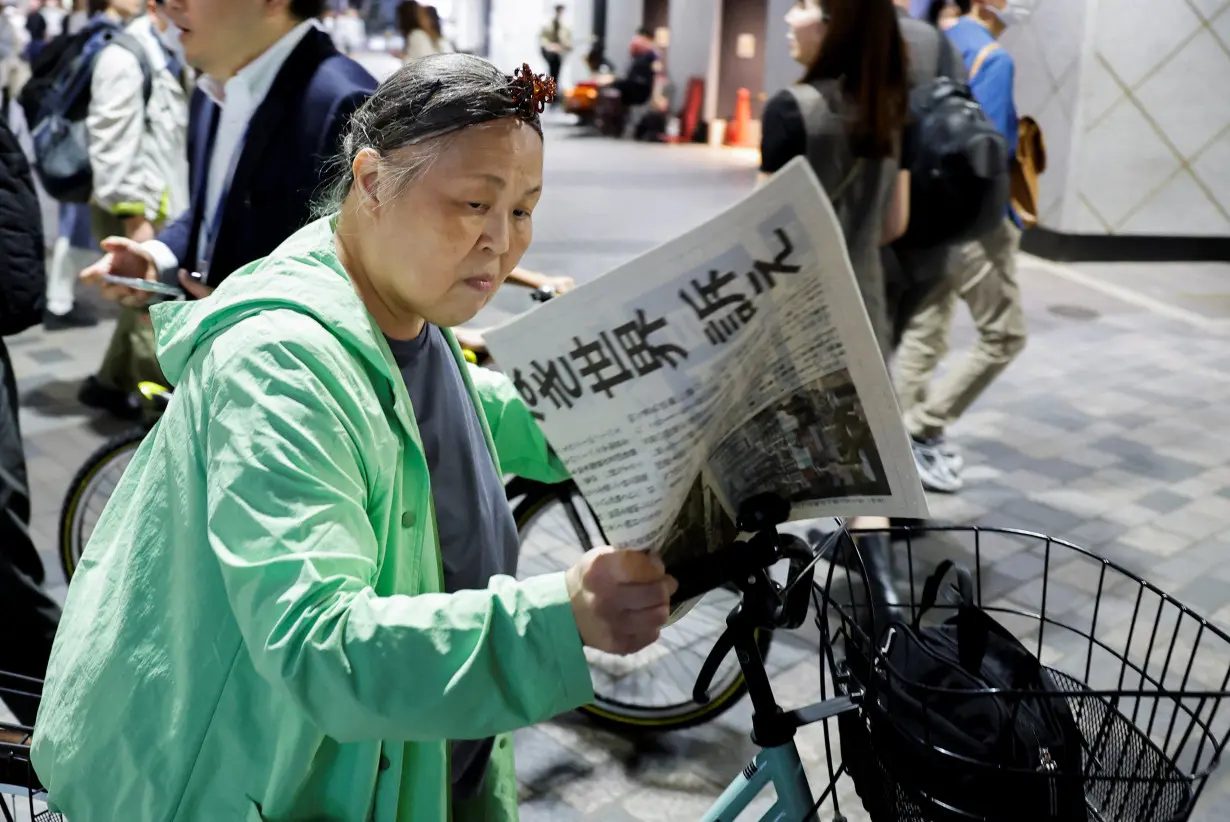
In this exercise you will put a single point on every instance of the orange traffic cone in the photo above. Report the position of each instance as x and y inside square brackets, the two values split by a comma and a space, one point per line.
[737, 128]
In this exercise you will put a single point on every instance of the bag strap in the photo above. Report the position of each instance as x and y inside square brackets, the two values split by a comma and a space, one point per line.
[77, 82]
[931, 588]
[972, 632]
[813, 107]
[845, 184]
[986, 52]
[129, 43]
[948, 64]
[74, 71]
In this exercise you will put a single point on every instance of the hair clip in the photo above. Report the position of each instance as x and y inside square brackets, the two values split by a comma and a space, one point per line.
[531, 92]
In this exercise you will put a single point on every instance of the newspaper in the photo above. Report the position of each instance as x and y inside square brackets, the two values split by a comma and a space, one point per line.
[735, 360]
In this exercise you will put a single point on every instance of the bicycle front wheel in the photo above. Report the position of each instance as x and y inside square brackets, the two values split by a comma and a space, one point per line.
[650, 690]
[88, 493]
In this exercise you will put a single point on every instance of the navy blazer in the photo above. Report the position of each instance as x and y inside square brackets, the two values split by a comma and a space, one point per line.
[287, 155]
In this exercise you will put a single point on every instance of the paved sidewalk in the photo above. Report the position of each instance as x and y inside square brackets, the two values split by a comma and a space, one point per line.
[1111, 431]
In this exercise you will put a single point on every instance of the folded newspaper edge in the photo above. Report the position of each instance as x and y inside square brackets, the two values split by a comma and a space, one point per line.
[733, 360]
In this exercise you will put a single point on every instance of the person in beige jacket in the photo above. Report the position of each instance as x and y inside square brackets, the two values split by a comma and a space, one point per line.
[139, 159]
[555, 40]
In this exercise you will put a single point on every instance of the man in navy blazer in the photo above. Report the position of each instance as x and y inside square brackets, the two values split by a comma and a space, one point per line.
[266, 121]
[290, 141]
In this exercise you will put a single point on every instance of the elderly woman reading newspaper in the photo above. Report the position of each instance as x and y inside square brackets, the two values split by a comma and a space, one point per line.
[296, 602]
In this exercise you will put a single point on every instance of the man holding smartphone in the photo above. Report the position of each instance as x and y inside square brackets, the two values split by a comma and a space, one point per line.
[271, 102]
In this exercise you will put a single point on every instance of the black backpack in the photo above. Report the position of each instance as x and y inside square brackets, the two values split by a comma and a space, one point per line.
[960, 749]
[56, 100]
[959, 174]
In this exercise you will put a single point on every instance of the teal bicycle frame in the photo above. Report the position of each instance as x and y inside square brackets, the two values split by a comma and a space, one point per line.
[780, 766]
[767, 606]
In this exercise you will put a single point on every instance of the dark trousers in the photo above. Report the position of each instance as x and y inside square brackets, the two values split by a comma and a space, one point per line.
[909, 276]
[131, 356]
[28, 617]
[553, 66]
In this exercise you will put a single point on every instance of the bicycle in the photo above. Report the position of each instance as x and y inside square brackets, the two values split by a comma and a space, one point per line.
[1130, 771]
[97, 478]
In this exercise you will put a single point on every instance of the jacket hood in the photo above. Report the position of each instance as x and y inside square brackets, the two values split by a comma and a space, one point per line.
[303, 274]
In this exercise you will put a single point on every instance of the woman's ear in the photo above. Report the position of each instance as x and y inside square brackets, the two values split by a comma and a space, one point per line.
[366, 173]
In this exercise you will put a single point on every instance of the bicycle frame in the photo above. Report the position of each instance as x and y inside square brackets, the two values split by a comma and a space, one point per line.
[766, 606]
[780, 766]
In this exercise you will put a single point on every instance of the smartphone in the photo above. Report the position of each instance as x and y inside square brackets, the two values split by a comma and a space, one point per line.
[169, 291]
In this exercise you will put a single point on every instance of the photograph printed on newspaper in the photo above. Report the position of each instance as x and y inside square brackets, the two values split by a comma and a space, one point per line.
[734, 360]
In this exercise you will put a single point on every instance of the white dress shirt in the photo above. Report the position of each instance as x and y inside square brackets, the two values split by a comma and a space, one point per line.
[238, 99]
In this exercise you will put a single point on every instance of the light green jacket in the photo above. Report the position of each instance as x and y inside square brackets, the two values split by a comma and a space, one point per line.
[256, 631]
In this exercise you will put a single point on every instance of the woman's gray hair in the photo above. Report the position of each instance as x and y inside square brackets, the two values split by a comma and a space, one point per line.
[423, 101]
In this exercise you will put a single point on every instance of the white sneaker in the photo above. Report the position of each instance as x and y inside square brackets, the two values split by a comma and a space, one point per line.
[935, 469]
[950, 453]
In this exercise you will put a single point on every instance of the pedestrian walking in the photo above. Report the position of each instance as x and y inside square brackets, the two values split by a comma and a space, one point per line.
[982, 274]
[138, 146]
[555, 40]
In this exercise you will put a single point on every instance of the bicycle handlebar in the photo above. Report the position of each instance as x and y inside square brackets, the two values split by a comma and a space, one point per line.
[765, 605]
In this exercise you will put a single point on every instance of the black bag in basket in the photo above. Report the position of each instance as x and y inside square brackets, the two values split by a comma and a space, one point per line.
[958, 749]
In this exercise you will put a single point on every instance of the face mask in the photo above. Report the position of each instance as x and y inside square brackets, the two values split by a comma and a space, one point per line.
[169, 37]
[1014, 12]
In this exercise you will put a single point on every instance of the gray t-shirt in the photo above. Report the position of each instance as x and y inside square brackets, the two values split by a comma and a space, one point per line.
[478, 537]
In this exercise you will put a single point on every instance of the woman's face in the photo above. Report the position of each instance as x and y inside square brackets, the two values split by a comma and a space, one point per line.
[440, 248]
[806, 30]
[949, 15]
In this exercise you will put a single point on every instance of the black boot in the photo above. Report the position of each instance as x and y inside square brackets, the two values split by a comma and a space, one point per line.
[116, 402]
[874, 562]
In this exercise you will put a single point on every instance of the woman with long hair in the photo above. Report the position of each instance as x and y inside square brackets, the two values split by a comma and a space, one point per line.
[420, 25]
[847, 117]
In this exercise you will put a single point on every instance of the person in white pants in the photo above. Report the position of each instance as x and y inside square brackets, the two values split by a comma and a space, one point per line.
[74, 249]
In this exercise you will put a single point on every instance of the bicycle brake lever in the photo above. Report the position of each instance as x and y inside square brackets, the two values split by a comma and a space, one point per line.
[724, 645]
[793, 611]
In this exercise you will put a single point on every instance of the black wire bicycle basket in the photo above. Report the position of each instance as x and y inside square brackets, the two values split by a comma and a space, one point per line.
[1142, 676]
[21, 793]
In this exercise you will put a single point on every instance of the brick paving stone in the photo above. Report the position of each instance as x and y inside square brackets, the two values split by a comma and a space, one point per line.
[1094, 532]
[1203, 593]
[1129, 514]
[1164, 501]
[1154, 540]
[1128, 557]
[1192, 524]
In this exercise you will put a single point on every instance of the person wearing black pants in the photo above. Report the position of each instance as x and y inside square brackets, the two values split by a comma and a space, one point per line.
[555, 41]
[28, 617]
